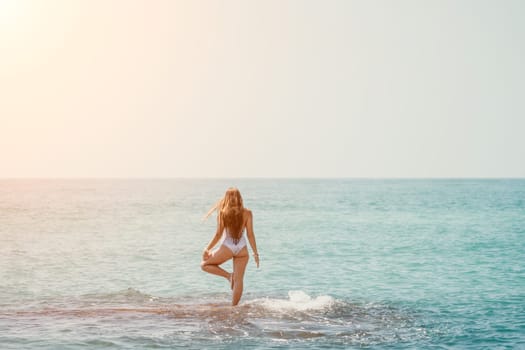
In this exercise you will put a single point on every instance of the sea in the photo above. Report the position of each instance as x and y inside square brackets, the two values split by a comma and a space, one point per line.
[344, 263]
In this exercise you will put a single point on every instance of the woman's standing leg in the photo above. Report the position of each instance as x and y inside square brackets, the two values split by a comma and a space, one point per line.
[239, 266]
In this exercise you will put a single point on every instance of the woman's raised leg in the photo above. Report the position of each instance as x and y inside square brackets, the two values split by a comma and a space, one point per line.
[211, 265]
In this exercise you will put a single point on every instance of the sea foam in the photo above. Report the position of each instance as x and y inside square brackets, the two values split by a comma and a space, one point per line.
[297, 301]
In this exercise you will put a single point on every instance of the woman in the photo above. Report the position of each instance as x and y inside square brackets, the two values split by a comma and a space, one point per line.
[232, 220]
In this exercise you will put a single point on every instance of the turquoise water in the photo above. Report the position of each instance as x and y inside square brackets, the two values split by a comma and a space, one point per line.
[89, 264]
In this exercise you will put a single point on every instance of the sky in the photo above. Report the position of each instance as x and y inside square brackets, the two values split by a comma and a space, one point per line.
[274, 88]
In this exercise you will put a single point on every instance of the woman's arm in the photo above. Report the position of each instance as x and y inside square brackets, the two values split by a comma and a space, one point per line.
[251, 236]
[218, 233]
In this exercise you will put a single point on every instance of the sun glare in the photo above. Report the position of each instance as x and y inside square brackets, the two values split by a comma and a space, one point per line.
[10, 13]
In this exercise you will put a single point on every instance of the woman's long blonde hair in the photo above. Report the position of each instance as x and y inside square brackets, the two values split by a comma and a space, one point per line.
[230, 210]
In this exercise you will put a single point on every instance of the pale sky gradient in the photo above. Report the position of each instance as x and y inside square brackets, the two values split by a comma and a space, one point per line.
[274, 88]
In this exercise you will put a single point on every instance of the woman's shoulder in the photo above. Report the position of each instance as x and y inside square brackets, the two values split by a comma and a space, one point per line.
[247, 212]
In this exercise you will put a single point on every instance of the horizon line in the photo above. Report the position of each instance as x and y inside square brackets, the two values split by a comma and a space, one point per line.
[265, 178]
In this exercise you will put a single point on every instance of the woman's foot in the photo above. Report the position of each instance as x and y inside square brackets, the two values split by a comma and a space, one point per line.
[230, 278]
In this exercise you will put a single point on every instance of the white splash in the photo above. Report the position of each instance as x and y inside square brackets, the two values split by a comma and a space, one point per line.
[297, 301]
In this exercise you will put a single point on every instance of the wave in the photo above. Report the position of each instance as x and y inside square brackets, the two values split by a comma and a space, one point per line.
[297, 301]
[298, 306]
[133, 300]
[296, 316]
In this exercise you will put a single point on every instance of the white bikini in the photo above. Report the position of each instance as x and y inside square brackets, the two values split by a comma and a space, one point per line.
[229, 243]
